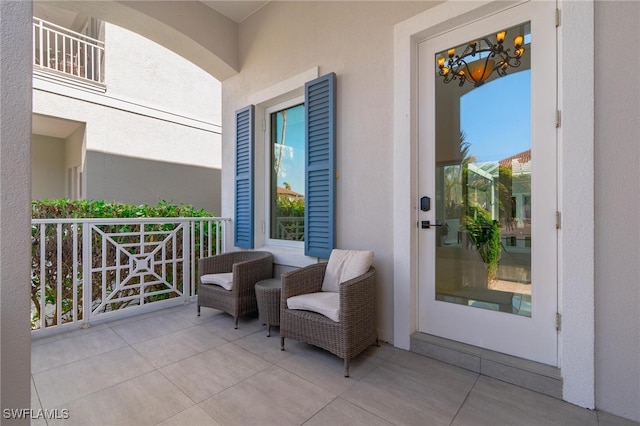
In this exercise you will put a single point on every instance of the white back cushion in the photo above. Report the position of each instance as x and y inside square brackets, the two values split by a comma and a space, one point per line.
[345, 265]
[325, 303]
[224, 280]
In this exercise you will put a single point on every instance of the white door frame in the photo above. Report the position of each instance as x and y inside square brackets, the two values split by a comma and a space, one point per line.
[576, 141]
[534, 337]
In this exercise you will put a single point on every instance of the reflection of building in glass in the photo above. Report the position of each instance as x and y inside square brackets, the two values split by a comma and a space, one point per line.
[520, 165]
[289, 194]
[502, 188]
[487, 221]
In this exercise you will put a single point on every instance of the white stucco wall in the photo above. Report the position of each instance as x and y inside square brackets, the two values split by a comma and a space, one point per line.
[576, 281]
[158, 145]
[196, 31]
[48, 167]
[74, 148]
[150, 74]
[15, 206]
[160, 115]
[617, 188]
[354, 40]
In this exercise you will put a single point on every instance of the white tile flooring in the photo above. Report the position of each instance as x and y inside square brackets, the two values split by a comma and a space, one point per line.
[173, 368]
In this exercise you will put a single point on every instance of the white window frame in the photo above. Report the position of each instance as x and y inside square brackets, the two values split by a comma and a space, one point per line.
[267, 175]
[286, 90]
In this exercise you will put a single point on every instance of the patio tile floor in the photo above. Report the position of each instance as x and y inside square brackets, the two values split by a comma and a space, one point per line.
[174, 368]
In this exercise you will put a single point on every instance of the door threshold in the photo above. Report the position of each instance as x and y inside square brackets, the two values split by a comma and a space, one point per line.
[528, 374]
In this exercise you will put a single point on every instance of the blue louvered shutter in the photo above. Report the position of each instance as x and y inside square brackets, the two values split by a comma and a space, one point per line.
[243, 224]
[319, 212]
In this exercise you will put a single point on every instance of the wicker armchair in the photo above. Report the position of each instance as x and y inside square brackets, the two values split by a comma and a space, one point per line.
[356, 329]
[248, 267]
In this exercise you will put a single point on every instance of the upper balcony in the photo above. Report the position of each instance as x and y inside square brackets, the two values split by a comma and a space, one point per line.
[65, 55]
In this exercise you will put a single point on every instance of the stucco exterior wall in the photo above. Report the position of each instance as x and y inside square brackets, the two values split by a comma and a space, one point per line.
[197, 32]
[576, 280]
[74, 148]
[47, 167]
[142, 181]
[150, 74]
[15, 208]
[282, 40]
[160, 116]
[112, 133]
[617, 208]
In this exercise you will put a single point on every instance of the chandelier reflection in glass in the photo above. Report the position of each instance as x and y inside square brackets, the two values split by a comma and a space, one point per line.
[480, 59]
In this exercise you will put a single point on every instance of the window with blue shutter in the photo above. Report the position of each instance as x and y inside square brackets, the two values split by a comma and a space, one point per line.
[319, 163]
[319, 223]
[244, 218]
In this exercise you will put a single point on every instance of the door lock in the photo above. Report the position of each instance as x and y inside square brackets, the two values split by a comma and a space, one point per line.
[425, 224]
[425, 204]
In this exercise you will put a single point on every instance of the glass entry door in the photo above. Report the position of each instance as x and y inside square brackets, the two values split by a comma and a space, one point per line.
[487, 167]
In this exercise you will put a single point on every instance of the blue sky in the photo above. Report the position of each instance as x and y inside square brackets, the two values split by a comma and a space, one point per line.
[496, 117]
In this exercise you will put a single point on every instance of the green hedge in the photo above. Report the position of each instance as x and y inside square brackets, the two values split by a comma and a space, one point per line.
[65, 208]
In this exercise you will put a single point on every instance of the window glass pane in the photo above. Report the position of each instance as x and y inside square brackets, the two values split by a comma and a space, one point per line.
[483, 174]
[287, 174]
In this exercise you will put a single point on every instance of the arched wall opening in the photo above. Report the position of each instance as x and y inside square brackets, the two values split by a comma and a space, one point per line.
[194, 31]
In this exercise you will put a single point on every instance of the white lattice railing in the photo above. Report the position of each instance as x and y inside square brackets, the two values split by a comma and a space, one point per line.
[61, 50]
[88, 269]
[290, 228]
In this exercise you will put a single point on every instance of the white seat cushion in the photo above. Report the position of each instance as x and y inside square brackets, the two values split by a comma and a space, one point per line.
[325, 303]
[224, 280]
[345, 265]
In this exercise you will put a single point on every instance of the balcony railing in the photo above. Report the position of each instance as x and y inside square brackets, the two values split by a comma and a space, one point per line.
[67, 52]
[84, 270]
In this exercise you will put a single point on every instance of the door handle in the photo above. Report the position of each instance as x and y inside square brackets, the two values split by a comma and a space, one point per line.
[425, 224]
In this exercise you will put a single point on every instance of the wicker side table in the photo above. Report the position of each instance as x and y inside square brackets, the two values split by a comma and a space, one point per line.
[268, 297]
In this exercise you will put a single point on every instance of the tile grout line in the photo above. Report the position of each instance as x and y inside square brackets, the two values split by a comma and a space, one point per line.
[227, 342]
[79, 359]
[363, 408]
[38, 396]
[154, 369]
[127, 344]
[465, 399]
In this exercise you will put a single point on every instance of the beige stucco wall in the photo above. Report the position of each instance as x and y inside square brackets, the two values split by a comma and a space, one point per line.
[48, 167]
[617, 208]
[354, 40]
